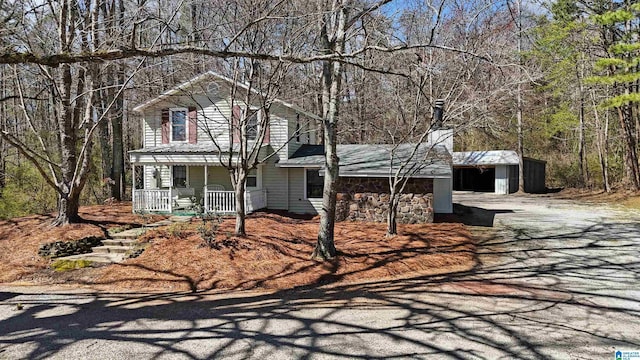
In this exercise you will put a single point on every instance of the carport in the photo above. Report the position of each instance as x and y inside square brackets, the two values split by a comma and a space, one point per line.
[496, 171]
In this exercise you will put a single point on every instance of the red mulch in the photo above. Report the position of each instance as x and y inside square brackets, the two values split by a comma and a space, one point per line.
[274, 255]
[20, 238]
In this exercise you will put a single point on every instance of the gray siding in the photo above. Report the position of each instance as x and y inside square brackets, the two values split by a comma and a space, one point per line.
[297, 201]
[275, 180]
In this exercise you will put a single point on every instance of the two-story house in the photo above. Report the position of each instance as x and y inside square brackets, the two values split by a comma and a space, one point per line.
[187, 140]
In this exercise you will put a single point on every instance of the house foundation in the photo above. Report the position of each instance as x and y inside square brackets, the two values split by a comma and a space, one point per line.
[367, 199]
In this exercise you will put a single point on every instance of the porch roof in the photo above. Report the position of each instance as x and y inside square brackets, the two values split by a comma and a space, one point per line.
[187, 154]
[373, 160]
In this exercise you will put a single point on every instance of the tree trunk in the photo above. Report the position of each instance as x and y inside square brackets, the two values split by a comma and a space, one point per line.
[239, 185]
[582, 164]
[117, 167]
[334, 23]
[68, 205]
[392, 221]
[602, 144]
[632, 172]
[519, 104]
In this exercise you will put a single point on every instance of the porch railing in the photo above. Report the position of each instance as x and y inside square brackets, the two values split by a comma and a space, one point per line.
[152, 200]
[224, 202]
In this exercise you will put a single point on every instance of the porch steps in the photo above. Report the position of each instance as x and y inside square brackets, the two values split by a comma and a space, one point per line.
[115, 247]
[99, 258]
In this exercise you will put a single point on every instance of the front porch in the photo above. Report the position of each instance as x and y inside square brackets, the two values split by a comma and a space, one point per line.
[190, 189]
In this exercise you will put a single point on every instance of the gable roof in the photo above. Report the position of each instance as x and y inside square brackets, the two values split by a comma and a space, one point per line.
[211, 75]
[374, 160]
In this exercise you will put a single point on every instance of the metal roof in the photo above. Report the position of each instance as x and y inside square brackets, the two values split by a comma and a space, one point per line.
[375, 160]
[490, 157]
[184, 148]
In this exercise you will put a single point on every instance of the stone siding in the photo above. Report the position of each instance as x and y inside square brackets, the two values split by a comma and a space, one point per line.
[367, 199]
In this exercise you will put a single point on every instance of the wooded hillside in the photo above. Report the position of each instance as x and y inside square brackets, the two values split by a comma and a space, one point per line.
[562, 77]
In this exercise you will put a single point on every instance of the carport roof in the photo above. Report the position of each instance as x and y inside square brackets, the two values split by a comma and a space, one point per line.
[489, 157]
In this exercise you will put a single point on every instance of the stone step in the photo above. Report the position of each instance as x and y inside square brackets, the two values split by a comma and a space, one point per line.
[119, 242]
[103, 258]
[111, 249]
[128, 234]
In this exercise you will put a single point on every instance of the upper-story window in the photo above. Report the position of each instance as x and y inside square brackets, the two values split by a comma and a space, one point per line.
[252, 124]
[178, 120]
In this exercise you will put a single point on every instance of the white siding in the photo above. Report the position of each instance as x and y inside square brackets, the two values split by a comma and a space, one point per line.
[275, 181]
[214, 116]
[152, 135]
[502, 180]
[442, 196]
[153, 183]
[278, 134]
[297, 202]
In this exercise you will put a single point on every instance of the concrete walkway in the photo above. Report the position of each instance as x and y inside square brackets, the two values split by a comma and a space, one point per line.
[562, 282]
[114, 249]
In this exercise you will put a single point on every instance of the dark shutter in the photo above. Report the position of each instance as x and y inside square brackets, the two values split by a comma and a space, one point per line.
[193, 125]
[165, 128]
[235, 123]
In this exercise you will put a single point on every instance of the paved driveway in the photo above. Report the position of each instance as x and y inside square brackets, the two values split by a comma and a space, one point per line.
[562, 282]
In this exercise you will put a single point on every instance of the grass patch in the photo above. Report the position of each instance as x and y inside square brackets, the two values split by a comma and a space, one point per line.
[67, 265]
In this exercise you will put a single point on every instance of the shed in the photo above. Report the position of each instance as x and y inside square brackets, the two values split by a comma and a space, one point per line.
[496, 171]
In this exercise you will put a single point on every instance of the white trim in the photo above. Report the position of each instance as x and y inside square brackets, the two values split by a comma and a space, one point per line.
[305, 183]
[186, 124]
[258, 178]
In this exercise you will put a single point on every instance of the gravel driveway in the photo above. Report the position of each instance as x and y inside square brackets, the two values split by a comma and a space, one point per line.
[562, 281]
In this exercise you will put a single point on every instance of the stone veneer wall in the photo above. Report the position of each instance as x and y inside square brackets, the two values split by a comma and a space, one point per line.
[367, 199]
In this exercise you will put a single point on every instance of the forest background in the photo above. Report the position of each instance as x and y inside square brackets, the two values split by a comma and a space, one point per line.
[562, 77]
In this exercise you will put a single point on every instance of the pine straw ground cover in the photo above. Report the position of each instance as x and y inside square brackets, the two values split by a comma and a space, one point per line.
[20, 239]
[276, 255]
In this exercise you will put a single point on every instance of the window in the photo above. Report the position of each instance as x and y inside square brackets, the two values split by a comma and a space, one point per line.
[180, 176]
[178, 124]
[314, 184]
[298, 128]
[252, 178]
[252, 125]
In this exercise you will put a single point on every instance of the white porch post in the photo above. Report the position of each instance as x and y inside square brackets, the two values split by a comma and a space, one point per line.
[133, 187]
[206, 177]
[170, 188]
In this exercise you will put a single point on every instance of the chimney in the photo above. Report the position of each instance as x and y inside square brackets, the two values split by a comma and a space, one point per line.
[438, 112]
[439, 134]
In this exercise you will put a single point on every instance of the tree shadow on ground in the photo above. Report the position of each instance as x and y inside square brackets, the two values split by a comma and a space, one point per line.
[536, 294]
[470, 215]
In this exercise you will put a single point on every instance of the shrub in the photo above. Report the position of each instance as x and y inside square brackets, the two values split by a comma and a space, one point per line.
[208, 229]
[178, 230]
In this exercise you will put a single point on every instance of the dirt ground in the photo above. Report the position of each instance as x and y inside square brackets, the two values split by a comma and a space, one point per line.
[627, 199]
[274, 255]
